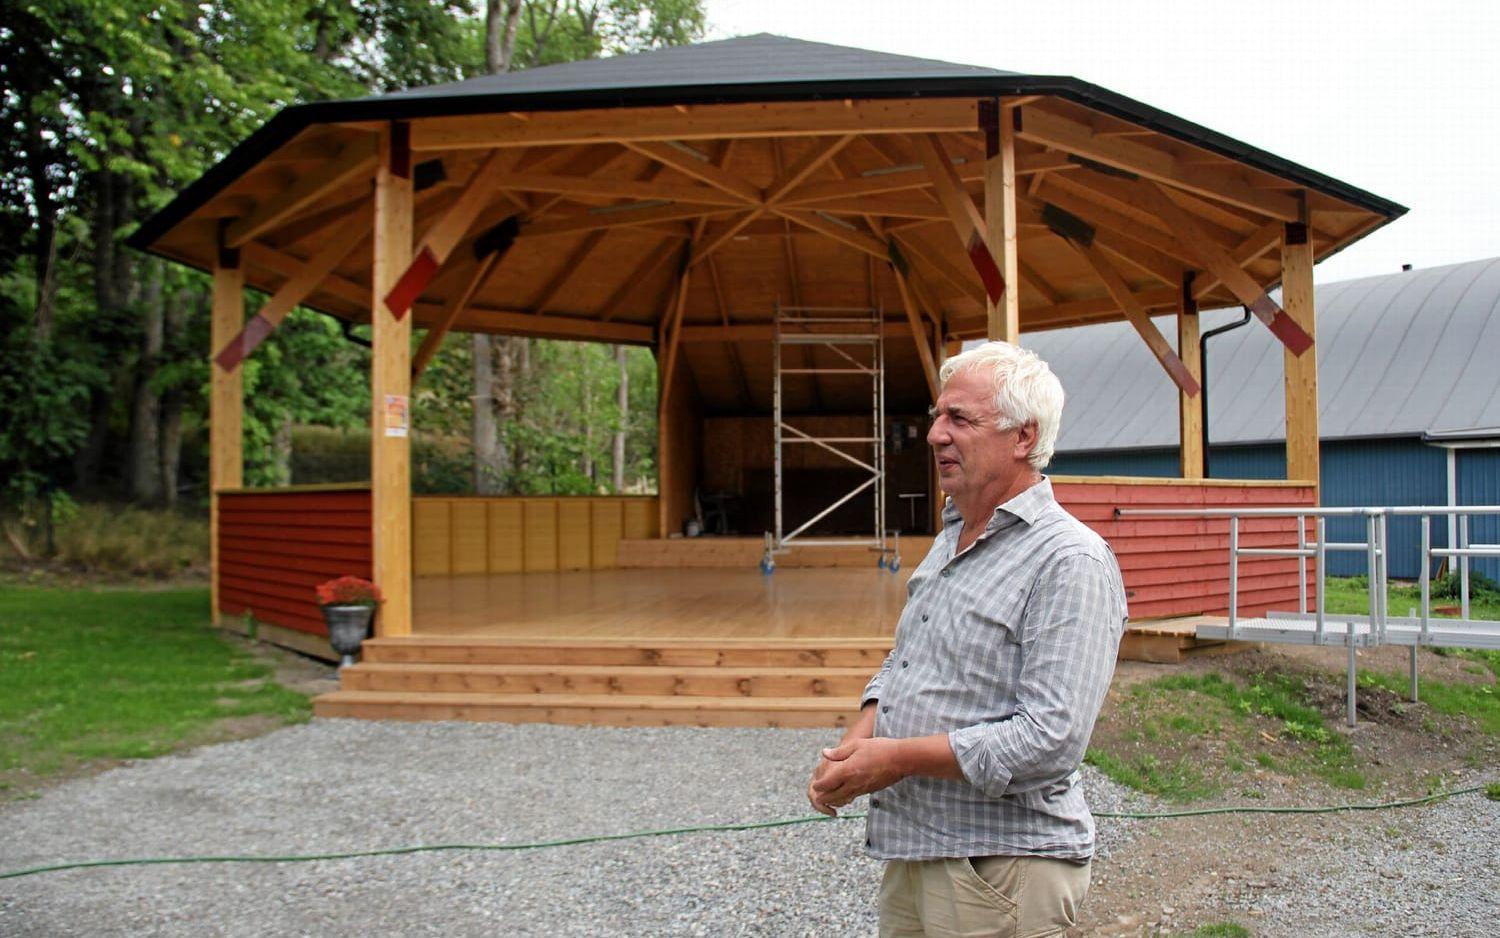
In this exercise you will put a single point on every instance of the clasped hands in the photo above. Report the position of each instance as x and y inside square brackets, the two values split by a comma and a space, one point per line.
[853, 768]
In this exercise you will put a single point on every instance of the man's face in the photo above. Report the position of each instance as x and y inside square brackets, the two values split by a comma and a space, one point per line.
[971, 453]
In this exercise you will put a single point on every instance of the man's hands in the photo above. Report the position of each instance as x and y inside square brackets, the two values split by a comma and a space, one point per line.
[855, 767]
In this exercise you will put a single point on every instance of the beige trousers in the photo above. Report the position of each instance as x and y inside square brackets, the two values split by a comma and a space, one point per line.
[988, 897]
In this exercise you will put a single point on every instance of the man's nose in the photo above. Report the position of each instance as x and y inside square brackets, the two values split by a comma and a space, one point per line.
[937, 434]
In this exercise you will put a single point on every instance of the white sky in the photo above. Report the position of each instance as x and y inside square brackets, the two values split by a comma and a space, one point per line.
[1399, 98]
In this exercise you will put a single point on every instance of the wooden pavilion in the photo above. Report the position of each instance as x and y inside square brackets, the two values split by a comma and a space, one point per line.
[671, 200]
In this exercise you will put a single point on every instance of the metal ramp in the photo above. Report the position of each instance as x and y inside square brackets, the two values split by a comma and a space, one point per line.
[856, 337]
[1317, 626]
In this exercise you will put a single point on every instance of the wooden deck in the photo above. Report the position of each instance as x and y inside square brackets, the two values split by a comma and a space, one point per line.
[652, 647]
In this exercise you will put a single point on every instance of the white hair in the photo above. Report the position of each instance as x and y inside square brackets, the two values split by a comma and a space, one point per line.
[1026, 391]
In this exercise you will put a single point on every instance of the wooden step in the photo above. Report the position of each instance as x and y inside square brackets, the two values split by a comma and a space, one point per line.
[674, 653]
[590, 709]
[606, 679]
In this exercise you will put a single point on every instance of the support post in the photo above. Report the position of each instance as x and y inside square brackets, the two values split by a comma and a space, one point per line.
[390, 385]
[1189, 407]
[226, 404]
[999, 126]
[1301, 370]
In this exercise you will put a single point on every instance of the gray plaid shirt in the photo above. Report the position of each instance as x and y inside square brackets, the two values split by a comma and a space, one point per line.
[1008, 648]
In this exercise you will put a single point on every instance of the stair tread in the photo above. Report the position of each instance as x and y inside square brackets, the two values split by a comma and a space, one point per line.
[611, 670]
[490, 641]
[610, 701]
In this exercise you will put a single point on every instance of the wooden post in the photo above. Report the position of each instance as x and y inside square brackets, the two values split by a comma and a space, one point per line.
[1301, 370]
[390, 386]
[1189, 407]
[226, 404]
[999, 126]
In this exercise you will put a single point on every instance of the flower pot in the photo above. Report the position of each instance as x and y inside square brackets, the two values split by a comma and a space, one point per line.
[348, 627]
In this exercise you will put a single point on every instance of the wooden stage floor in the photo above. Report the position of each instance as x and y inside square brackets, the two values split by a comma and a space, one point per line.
[863, 603]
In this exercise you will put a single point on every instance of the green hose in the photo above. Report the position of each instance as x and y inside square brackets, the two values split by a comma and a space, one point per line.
[756, 825]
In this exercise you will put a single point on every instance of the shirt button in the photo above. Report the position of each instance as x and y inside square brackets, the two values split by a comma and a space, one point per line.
[874, 802]
[886, 709]
[924, 617]
[905, 664]
[869, 842]
[947, 571]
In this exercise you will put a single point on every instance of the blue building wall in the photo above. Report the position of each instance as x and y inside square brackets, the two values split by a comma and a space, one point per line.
[1479, 484]
[1354, 472]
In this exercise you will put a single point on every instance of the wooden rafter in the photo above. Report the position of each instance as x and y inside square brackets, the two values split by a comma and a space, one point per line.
[1219, 263]
[594, 186]
[297, 288]
[736, 363]
[455, 308]
[1254, 247]
[852, 236]
[623, 217]
[356, 160]
[918, 332]
[703, 170]
[1138, 317]
[1053, 130]
[968, 223]
[558, 326]
[444, 234]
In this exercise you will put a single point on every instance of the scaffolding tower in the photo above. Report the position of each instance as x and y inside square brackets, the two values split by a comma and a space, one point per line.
[855, 336]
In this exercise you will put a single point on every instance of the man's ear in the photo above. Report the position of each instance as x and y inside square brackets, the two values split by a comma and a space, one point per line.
[1025, 439]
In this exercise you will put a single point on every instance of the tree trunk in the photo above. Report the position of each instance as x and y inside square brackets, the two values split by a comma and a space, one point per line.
[488, 473]
[145, 411]
[622, 400]
[281, 451]
[500, 21]
[173, 398]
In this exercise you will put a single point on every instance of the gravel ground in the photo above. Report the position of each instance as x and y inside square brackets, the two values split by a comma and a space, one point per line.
[339, 785]
[1434, 870]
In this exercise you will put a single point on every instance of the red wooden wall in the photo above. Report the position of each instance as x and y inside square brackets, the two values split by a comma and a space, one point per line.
[275, 547]
[1180, 566]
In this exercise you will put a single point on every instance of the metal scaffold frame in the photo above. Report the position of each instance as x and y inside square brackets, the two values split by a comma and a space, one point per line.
[848, 333]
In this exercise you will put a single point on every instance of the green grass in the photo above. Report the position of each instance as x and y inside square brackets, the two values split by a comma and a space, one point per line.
[1352, 594]
[1219, 930]
[119, 674]
[1175, 717]
[1479, 700]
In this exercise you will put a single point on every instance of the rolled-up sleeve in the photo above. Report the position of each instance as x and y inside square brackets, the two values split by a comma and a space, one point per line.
[1071, 631]
[872, 689]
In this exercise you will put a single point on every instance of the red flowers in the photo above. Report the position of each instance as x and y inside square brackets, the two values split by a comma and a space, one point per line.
[349, 591]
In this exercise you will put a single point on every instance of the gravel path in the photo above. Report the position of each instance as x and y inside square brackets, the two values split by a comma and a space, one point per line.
[337, 785]
[1434, 870]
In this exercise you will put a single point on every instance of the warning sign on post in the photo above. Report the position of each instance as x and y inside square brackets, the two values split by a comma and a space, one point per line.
[397, 414]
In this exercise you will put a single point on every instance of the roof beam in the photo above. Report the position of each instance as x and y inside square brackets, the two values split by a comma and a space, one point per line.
[625, 125]
[635, 278]
[967, 221]
[702, 170]
[1053, 130]
[298, 287]
[619, 217]
[511, 322]
[852, 236]
[435, 333]
[1138, 317]
[1219, 263]
[357, 159]
[617, 188]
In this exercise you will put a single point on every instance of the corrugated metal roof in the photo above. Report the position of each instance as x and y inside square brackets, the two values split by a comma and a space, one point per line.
[1398, 355]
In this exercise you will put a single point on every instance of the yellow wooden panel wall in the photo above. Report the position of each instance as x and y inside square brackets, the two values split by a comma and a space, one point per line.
[540, 541]
[431, 537]
[606, 527]
[507, 536]
[470, 526]
[468, 535]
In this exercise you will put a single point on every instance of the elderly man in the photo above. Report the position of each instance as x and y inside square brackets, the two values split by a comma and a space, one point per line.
[970, 736]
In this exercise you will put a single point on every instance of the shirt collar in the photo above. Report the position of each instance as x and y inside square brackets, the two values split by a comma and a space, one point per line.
[1025, 507]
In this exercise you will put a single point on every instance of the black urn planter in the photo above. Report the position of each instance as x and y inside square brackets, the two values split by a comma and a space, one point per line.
[348, 627]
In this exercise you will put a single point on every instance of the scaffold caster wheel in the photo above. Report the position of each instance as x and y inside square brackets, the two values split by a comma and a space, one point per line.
[880, 562]
[895, 564]
[767, 565]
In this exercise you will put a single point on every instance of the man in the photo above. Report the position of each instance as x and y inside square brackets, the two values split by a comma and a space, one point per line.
[971, 734]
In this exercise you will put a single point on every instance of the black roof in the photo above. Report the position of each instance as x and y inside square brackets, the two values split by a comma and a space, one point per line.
[745, 69]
